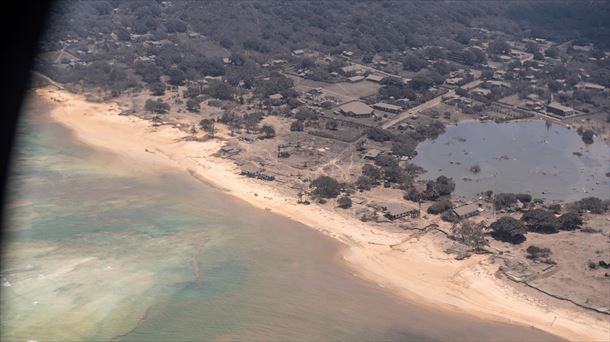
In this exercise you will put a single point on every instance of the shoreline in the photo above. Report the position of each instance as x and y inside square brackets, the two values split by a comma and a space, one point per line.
[420, 272]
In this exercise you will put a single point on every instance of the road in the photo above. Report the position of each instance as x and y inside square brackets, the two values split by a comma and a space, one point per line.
[426, 105]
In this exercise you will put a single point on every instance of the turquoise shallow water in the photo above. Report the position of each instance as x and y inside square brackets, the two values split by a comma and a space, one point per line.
[96, 253]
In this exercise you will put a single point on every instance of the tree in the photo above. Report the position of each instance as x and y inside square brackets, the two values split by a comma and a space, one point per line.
[470, 233]
[364, 183]
[331, 124]
[540, 221]
[439, 207]
[344, 202]
[155, 106]
[208, 126]
[268, 131]
[157, 88]
[569, 221]
[524, 198]
[176, 77]
[499, 46]
[504, 200]
[192, 105]
[552, 52]
[371, 172]
[508, 229]
[326, 187]
[296, 126]
[592, 204]
[587, 136]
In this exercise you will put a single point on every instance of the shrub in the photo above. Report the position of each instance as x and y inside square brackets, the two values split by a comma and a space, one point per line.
[344, 202]
[535, 252]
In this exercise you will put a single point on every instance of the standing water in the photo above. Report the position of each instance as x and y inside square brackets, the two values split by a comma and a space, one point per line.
[534, 157]
[96, 253]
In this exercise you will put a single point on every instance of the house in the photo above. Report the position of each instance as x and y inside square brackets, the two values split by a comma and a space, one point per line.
[276, 99]
[298, 52]
[559, 109]
[351, 70]
[394, 211]
[386, 107]
[250, 170]
[356, 109]
[372, 153]
[253, 171]
[466, 211]
[374, 78]
[355, 79]
[590, 86]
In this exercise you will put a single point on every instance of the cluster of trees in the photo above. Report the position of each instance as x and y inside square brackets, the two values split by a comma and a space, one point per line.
[509, 201]
[435, 189]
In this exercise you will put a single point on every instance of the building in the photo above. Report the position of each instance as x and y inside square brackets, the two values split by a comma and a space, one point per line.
[394, 211]
[374, 78]
[355, 79]
[386, 107]
[466, 211]
[298, 52]
[559, 109]
[590, 86]
[356, 109]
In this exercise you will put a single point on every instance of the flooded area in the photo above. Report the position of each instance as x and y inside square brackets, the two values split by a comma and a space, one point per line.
[535, 157]
[94, 252]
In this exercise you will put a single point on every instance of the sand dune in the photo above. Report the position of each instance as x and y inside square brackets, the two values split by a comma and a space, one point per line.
[420, 271]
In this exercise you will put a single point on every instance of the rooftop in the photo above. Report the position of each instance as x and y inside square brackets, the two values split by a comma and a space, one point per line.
[356, 107]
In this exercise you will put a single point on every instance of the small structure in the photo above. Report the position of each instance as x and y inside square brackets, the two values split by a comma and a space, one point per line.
[386, 107]
[374, 78]
[355, 79]
[559, 109]
[356, 109]
[298, 52]
[372, 153]
[466, 211]
[395, 211]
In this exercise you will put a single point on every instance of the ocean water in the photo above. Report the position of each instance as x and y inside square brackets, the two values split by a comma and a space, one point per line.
[96, 253]
[546, 161]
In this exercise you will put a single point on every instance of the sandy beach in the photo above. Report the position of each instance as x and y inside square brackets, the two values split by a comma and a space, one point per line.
[417, 270]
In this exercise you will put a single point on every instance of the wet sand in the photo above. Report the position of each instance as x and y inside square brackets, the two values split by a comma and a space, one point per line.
[421, 272]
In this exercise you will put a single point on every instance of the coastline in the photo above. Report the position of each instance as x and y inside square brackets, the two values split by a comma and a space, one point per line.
[420, 272]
